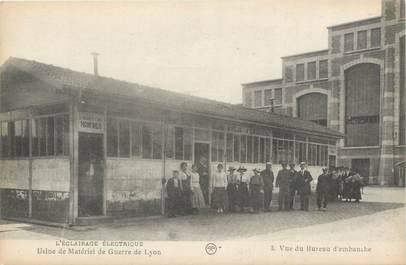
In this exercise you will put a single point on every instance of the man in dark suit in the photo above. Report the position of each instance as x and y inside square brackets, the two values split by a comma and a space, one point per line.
[293, 184]
[268, 178]
[283, 182]
[303, 183]
[322, 189]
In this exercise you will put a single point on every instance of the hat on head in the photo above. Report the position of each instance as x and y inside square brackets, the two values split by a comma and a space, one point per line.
[269, 163]
[256, 170]
[231, 168]
[302, 163]
[243, 169]
[292, 164]
[324, 169]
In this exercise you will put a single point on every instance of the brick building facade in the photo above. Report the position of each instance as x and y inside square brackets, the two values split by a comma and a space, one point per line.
[355, 86]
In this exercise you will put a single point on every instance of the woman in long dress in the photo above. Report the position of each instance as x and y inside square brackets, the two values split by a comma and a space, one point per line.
[197, 199]
[243, 189]
[184, 175]
[257, 191]
[219, 198]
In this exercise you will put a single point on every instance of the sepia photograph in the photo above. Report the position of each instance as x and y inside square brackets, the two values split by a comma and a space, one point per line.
[202, 131]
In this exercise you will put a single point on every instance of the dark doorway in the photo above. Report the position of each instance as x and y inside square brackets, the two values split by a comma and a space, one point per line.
[202, 162]
[361, 166]
[90, 174]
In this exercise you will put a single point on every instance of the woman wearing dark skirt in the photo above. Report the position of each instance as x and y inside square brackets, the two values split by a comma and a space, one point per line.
[219, 197]
[257, 191]
[175, 197]
[232, 189]
[243, 189]
[184, 176]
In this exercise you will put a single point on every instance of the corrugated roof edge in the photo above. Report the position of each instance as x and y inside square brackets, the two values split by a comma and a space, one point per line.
[311, 127]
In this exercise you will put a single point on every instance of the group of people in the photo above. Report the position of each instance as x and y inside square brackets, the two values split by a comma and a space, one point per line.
[345, 184]
[235, 190]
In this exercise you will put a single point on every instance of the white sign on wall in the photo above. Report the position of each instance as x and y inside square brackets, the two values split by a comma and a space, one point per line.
[91, 122]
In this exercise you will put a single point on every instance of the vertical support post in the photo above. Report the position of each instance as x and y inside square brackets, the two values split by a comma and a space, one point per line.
[30, 163]
[163, 153]
[105, 160]
[74, 163]
[307, 150]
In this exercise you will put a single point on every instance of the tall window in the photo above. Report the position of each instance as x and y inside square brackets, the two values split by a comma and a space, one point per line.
[299, 72]
[258, 98]
[323, 69]
[313, 107]
[311, 71]
[362, 104]
[376, 37]
[348, 42]
[267, 97]
[217, 148]
[278, 96]
[361, 39]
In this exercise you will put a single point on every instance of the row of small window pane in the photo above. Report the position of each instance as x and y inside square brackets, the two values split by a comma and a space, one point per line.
[317, 155]
[362, 40]
[128, 138]
[312, 71]
[50, 137]
[272, 97]
[282, 151]
[245, 148]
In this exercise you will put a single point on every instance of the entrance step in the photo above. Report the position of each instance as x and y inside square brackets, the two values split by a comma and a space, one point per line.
[93, 220]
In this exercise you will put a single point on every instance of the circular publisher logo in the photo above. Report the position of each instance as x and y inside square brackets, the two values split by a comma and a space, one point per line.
[211, 248]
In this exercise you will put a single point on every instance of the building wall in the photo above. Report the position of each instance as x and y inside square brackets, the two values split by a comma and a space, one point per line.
[366, 49]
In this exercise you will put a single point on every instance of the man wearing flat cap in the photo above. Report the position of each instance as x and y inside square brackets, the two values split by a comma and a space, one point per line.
[283, 182]
[303, 183]
[293, 184]
[268, 177]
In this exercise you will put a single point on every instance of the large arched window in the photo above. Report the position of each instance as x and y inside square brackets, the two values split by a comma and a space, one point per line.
[362, 104]
[313, 107]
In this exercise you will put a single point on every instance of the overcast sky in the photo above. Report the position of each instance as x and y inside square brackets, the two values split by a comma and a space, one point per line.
[203, 48]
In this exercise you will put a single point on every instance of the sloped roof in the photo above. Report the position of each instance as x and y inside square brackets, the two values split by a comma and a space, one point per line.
[63, 77]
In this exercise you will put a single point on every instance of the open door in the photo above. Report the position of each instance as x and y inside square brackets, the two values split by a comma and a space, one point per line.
[91, 172]
[361, 166]
[202, 162]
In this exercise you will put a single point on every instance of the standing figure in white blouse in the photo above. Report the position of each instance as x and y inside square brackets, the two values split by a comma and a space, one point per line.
[197, 199]
[219, 184]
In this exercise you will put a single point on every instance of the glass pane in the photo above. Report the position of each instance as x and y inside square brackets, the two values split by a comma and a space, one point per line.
[35, 140]
[362, 39]
[323, 69]
[236, 147]
[50, 136]
[66, 134]
[229, 147]
[18, 138]
[112, 138]
[169, 142]
[256, 149]
[146, 141]
[59, 135]
[214, 144]
[243, 148]
[349, 42]
[299, 72]
[136, 139]
[157, 142]
[258, 98]
[220, 147]
[376, 37]
[25, 139]
[187, 143]
[42, 136]
[311, 71]
[267, 150]
[124, 138]
[249, 149]
[178, 143]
